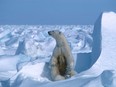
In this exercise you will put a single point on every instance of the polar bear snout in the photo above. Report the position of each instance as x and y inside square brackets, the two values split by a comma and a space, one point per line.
[56, 32]
[49, 32]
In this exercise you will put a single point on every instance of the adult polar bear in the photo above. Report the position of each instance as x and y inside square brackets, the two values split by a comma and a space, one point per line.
[62, 62]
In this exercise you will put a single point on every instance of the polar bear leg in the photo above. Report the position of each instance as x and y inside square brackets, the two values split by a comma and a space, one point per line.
[55, 74]
[70, 68]
[59, 77]
[54, 70]
[72, 72]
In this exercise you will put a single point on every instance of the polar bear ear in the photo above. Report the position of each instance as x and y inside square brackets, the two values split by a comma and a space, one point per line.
[59, 32]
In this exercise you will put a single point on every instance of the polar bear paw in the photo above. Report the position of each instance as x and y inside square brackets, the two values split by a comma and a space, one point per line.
[59, 77]
[70, 73]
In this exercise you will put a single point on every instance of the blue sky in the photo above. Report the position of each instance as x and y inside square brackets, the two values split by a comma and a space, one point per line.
[53, 12]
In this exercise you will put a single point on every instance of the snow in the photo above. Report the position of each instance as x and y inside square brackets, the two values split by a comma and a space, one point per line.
[24, 60]
[9, 62]
[33, 70]
[107, 59]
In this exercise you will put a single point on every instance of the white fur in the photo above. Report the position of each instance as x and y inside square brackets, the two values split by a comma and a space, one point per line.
[62, 48]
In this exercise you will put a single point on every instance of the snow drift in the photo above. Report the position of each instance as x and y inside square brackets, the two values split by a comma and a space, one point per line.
[106, 59]
[104, 51]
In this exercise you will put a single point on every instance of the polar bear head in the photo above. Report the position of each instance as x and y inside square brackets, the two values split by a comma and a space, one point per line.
[58, 36]
[54, 33]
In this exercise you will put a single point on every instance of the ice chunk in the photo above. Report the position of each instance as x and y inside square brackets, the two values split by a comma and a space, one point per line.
[40, 37]
[102, 40]
[21, 48]
[105, 79]
[11, 41]
[4, 33]
[107, 58]
[31, 49]
[1, 51]
[36, 72]
[6, 75]
[97, 37]
[9, 62]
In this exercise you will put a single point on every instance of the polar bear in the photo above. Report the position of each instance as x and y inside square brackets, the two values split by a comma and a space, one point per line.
[62, 62]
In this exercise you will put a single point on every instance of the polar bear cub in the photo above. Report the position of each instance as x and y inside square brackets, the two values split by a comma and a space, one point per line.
[62, 62]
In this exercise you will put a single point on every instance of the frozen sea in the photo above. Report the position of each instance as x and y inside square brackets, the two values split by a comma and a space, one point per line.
[25, 51]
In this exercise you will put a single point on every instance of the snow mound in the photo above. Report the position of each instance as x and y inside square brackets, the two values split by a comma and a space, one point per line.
[10, 62]
[36, 71]
[107, 59]
[109, 21]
